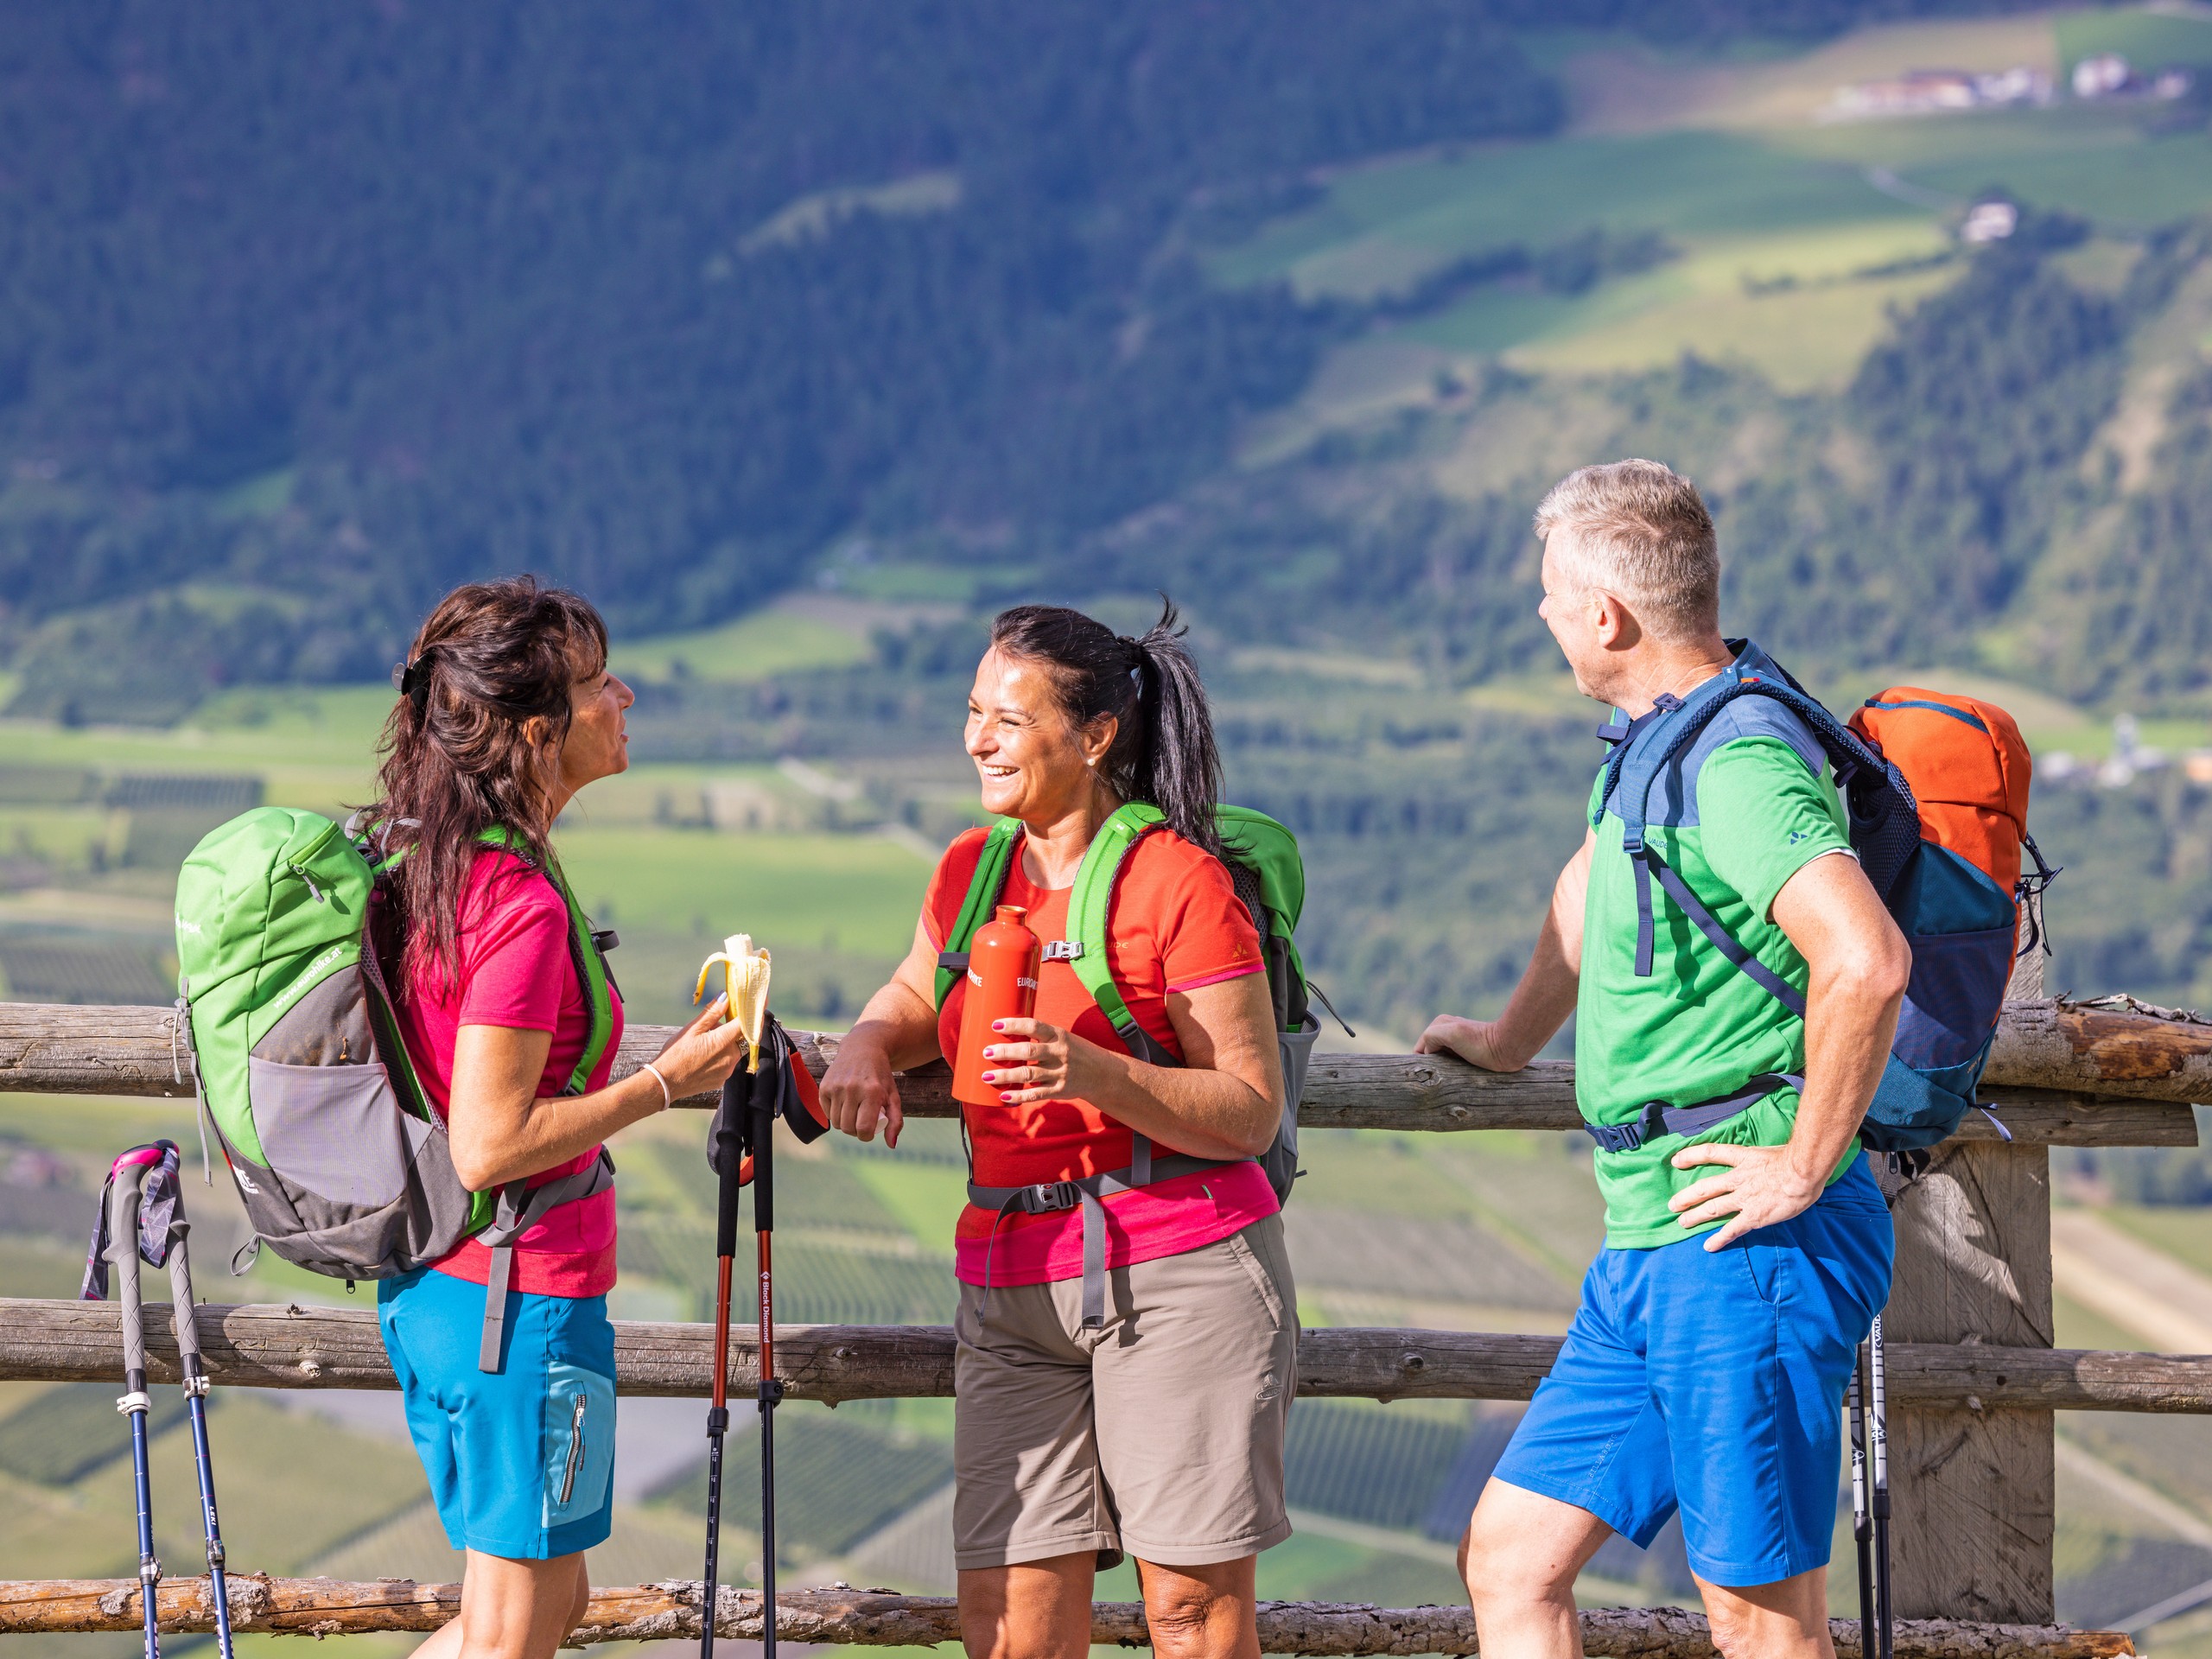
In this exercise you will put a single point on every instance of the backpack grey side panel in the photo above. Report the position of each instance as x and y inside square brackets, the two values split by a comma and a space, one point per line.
[356, 1187]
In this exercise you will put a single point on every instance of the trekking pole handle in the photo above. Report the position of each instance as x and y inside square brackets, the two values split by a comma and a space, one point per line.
[123, 1200]
[732, 1158]
[764, 1141]
[189, 1366]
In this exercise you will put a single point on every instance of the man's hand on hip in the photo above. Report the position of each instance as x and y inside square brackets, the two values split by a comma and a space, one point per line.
[1759, 1186]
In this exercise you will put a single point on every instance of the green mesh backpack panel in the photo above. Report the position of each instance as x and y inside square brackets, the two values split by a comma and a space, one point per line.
[1266, 850]
[343, 1167]
[341, 1164]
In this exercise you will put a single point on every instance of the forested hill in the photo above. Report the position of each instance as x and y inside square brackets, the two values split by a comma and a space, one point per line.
[306, 310]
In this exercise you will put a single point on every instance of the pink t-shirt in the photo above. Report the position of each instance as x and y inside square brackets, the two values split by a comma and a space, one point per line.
[1175, 924]
[517, 971]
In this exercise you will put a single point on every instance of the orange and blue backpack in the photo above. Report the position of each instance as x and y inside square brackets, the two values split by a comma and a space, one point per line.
[1935, 787]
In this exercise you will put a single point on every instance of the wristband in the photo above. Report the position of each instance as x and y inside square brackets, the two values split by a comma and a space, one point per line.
[666, 1099]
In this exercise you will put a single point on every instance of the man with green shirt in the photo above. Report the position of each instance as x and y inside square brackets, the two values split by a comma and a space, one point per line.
[1747, 1248]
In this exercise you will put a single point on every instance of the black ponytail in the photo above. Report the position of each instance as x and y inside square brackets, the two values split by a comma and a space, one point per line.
[1163, 751]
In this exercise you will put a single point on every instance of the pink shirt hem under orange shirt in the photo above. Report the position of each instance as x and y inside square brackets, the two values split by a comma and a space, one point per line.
[1175, 924]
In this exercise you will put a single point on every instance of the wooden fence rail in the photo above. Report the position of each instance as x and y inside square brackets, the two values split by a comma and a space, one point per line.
[320, 1607]
[2060, 1076]
[297, 1347]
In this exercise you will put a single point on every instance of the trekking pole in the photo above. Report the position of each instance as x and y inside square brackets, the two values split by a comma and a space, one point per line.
[1879, 1504]
[192, 1373]
[763, 1137]
[125, 1182]
[729, 1169]
[1862, 1529]
[730, 1144]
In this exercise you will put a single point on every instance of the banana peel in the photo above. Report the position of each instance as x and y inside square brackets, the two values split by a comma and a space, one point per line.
[745, 977]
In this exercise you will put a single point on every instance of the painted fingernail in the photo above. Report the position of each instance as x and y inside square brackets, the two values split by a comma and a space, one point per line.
[998, 1025]
[990, 1076]
[1006, 1100]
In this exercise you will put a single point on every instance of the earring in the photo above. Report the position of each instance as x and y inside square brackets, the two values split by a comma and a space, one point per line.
[1090, 760]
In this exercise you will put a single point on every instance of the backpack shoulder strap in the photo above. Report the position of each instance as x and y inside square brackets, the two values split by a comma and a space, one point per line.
[1085, 949]
[1879, 801]
[984, 887]
[584, 946]
[591, 969]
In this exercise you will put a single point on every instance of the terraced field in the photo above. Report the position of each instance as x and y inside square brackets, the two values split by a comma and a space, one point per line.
[1796, 232]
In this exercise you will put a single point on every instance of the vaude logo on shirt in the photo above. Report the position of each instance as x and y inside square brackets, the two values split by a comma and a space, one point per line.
[184, 925]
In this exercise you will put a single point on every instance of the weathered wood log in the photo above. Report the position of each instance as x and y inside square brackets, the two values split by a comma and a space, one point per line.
[127, 1050]
[1974, 1493]
[2103, 1051]
[319, 1607]
[1442, 1092]
[275, 1346]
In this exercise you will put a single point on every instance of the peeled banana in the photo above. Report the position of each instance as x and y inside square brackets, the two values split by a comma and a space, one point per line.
[745, 976]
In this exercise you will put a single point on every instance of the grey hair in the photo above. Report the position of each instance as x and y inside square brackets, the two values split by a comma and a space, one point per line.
[1643, 532]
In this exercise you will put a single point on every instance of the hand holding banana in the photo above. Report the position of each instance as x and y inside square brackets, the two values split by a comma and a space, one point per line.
[745, 988]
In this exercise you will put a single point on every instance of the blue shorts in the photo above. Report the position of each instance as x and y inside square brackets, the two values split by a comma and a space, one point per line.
[1713, 1381]
[521, 1461]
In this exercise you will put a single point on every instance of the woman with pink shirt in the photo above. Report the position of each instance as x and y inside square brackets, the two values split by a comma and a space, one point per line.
[1144, 1414]
[511, 1021]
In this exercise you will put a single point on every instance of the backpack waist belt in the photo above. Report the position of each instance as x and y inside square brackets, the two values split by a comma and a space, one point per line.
[1658, 1118]
[1050, 1197]
[521, 1208]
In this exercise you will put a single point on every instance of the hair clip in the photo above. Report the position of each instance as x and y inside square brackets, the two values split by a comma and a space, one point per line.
[413, 680]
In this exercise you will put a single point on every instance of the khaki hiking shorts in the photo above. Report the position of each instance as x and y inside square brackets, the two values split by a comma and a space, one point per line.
[1160, 1435]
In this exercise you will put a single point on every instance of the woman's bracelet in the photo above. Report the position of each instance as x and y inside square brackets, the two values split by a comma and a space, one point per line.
[667, 1100]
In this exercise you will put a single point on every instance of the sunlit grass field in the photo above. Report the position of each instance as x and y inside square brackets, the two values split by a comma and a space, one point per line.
[1797, 231]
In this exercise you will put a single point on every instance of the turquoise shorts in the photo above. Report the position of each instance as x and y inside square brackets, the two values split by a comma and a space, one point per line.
[1712, 1382]
[521, 1461]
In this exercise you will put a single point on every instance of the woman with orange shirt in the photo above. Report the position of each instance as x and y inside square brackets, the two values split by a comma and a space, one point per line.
[1157, 1427]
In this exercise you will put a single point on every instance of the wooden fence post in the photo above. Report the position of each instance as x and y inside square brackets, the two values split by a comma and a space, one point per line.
[1972, 1489]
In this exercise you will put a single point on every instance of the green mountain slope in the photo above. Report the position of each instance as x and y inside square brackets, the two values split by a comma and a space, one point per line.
[305, 313]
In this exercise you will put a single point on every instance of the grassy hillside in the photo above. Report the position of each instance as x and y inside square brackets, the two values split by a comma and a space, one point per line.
[1795, 232]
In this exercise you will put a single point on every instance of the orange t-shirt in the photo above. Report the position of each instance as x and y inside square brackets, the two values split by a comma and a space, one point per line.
[1175, 923]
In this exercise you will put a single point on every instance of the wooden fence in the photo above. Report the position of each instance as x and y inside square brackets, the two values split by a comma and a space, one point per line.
[1975, 1376]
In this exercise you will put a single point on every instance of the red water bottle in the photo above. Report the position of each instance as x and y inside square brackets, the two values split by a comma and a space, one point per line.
[1001, 985]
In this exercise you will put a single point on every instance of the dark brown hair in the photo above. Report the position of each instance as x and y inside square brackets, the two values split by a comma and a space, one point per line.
[460, 755]
[1163, 751]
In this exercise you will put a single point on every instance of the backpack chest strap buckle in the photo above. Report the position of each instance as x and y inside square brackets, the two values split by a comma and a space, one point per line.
[1062, 951]
[1648, 1125]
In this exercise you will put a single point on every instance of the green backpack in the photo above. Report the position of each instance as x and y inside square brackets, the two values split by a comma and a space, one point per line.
[1269, 877]
[284, 934]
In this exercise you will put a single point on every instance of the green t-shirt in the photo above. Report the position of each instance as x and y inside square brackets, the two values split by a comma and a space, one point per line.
[1697, 1027]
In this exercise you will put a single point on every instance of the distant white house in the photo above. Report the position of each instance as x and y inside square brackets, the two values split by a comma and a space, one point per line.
[2101, 76]
[1931, 92]
[2110, 75]
[1989, 221]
